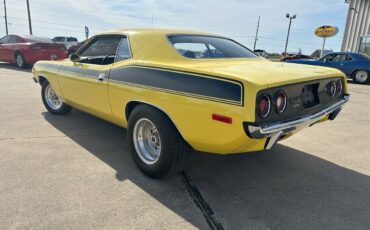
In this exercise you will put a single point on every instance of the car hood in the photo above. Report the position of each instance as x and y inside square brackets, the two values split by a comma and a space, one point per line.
[264, 72]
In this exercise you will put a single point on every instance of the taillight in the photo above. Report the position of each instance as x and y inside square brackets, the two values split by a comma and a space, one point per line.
[264, 106]
[280, 102]
[339, 86]
[331, 88]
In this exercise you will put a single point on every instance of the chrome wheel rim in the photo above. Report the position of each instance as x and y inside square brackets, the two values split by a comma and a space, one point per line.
[147, 141]
[19, 60]
[52, 99]
[361, 76]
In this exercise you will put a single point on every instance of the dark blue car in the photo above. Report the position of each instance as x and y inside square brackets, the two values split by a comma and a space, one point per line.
[354, 65]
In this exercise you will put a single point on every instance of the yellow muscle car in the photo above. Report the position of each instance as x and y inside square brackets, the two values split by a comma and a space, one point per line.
[178, 91]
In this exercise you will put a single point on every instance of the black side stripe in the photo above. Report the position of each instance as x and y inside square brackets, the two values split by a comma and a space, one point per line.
[166, 80]
[180, 83]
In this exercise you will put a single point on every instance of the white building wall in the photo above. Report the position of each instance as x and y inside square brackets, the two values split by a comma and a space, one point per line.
[358, 24]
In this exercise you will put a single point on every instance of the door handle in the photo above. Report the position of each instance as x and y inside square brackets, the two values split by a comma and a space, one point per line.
[101, 76]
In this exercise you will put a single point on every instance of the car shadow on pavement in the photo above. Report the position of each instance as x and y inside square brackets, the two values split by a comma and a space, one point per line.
[282, 188]
[9, 66]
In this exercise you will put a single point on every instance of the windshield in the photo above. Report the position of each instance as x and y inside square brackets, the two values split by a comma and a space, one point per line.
[204, 47]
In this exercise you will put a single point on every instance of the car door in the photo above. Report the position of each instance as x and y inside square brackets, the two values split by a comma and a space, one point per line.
[2, 41]
[11, 47]
[4, 48]
[336, 61]
[346, 64]
[84, 83]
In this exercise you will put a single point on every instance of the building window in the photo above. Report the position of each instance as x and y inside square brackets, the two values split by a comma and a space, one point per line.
[365, 45]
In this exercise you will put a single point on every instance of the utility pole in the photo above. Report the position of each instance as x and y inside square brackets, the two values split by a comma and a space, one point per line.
[6, 18]
[322, 48]
[29, 17]
[256, 38]
[290, 23]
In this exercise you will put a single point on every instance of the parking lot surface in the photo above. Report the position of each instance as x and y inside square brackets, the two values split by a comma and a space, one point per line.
[75, 172]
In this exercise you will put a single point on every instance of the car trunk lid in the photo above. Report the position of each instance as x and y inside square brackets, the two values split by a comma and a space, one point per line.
[263, 72]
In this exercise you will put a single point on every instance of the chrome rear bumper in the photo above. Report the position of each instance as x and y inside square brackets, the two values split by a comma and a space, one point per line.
[275, 130]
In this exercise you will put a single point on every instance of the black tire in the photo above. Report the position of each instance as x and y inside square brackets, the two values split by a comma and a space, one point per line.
[364, 80]
[19, 60]
[174, 153]
[64, 108]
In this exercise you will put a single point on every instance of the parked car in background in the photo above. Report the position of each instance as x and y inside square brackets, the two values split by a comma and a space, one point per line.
[261, 53]
[27, 49]
[177, 90]
[73, 48]
[295, 57]
[354, 65]
[67, 41]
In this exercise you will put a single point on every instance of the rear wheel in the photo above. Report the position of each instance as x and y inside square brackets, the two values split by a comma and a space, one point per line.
[155, 144]
[361, 76]
[52, 102]
[19, 60]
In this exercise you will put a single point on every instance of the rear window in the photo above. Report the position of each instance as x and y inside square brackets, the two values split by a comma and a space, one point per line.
[208, 47]
[58, 39]
[71, 39]
[37, 39]
[365, 56]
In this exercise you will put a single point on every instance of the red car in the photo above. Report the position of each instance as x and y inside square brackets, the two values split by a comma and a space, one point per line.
[27, 49]
[295, 57]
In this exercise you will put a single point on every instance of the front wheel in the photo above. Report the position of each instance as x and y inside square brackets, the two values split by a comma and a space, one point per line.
[155, 144]
[52, 102]
[361, 76]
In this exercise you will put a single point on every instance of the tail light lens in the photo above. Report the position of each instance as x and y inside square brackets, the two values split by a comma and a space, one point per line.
[280, 101]
[331, 88]
[264, 106]
[339, 86]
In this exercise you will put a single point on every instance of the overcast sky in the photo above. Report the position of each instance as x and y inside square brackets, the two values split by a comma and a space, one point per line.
[233, 18]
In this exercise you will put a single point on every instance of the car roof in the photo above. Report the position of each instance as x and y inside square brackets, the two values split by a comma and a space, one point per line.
[64, 37]
[350, 53]
[152, 44]
[355, 55]
[155, 31]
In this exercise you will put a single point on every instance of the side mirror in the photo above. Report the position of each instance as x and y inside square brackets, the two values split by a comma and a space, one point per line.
[74, 57]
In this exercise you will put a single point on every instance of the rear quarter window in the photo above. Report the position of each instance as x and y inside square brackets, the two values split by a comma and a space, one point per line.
[208, 47]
